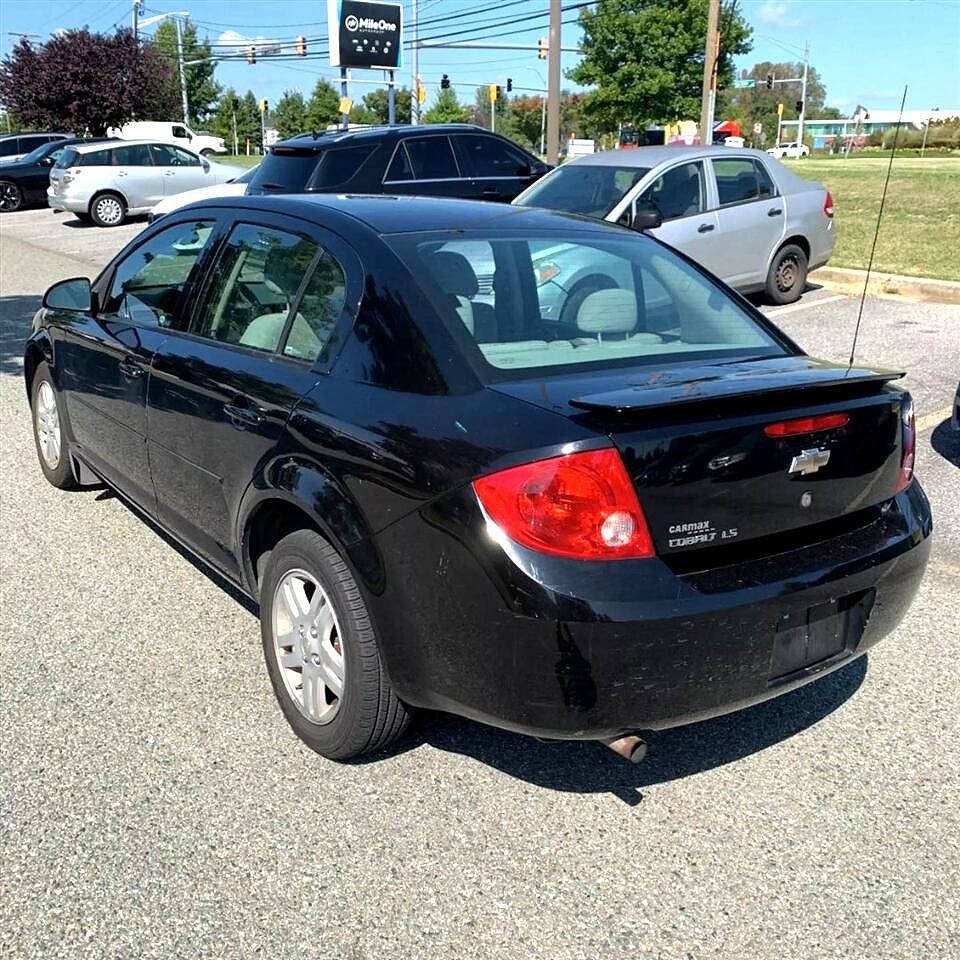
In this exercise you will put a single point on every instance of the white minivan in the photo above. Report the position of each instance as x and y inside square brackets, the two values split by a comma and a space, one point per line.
[169, 132]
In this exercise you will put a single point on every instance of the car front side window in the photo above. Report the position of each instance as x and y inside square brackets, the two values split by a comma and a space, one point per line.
[678, 192]
[148, 285]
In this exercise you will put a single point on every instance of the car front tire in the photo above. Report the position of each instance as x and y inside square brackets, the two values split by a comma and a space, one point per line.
[108, 209]
[321, 651]
[787, 276]
[11, 197]
[53, 450]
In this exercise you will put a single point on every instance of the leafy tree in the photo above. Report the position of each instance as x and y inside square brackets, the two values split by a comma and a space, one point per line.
[290, 114]
[85, 82]
[324, 106]
[446, 109]
[376, 103]
[202, 89]
[359, 113]
[248, 122]
[645, 58]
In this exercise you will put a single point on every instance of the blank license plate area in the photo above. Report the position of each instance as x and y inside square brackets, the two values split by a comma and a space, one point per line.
[820, 634]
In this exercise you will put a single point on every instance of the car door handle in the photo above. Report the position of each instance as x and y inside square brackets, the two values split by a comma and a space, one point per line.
[775, 212]
[705, 227]
[169, 173]
[130, 370]
[491, 192]
[243, 415]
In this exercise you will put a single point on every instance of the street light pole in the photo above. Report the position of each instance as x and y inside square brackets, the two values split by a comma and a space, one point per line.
[183, 75]
[415, 62]
[926, 130]
[553, 85]
[803, 93]
[543, 106]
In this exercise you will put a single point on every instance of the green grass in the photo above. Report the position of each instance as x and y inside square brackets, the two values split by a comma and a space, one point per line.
[920, 231]
[240, 161]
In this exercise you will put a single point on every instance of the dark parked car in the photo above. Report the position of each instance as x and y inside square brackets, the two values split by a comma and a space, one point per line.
[24, 182]
[13, 146]
[656, 512]
[437, 160]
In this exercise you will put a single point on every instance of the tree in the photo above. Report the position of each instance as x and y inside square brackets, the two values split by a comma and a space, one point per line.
[290, 114]
[202, 89]
[645, 58]
[376, 103]
[85, 82]
[324, 106]
[248, 122]
[446, 109]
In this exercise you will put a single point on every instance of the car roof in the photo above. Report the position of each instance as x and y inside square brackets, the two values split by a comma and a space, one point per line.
[90, 146]
[320, 141]
[384, 214]
[651, 156]
[34, 133]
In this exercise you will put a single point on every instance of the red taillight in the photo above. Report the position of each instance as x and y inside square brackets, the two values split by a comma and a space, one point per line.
[908, 425]
[581, 505]
[828, 205]
[790, 428]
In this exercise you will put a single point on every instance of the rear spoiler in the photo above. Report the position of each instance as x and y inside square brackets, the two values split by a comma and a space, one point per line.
[745, 378]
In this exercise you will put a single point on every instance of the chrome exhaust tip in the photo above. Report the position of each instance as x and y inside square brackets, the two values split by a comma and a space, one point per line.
[630, 747]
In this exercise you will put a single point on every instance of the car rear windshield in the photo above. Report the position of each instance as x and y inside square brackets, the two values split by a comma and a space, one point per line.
[285, 170]
[590, 189]
[523, 304]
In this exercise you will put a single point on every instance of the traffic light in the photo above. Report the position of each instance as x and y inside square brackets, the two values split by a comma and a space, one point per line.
[509, 85]
[799, 107]
[444, 82]
[263, 105]
[542, 48]
[499, 92]
[494, 91]
[421, 91]
[234, 104]
[780, 110]
[301, 44]
[251, 54]
[769, 81]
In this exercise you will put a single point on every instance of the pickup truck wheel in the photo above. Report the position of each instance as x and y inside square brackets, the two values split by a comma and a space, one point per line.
[788, 275]
[53, 451]
[321, 651]
[206, 152]
[108, 210]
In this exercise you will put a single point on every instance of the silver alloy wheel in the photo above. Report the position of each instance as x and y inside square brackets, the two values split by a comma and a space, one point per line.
[109, 210]
[46, 419]
[308, 645]
[9, 196]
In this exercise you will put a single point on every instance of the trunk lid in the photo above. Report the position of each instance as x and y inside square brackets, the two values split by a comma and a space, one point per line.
[712, 462]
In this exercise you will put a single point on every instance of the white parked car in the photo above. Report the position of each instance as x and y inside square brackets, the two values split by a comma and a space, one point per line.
[233, 188]
[790, 151]
[170, 132]
[107, 182]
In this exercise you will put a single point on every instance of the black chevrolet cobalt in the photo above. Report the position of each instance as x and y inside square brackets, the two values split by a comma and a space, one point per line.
[451, 483]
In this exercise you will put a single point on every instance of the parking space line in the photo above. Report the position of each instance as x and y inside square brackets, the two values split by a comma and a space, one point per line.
[803, 305]
[932, 419]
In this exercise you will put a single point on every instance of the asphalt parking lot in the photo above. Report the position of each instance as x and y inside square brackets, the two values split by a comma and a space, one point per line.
[154, 803]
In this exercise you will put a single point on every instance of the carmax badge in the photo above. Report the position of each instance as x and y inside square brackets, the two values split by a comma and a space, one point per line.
[809, 461]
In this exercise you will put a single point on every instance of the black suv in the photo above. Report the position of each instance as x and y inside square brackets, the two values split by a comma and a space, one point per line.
[440, 160]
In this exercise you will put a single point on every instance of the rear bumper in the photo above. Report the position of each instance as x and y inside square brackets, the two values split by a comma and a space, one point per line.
[61, 202]
[572, 650]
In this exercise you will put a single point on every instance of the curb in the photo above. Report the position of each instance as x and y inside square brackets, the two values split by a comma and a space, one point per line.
[888, 285]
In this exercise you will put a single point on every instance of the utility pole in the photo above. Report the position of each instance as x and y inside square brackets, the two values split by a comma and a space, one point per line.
[136, 11]
[415, 61]
[183, 76]
[803, 93]
[553, 85]
[710, 52]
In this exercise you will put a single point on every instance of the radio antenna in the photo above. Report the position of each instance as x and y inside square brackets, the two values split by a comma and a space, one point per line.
[876, 233]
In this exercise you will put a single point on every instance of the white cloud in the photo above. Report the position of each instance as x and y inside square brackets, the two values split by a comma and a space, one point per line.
[777, 13]
[230, 38]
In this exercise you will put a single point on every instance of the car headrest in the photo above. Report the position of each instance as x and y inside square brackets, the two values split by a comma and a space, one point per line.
[608, 311]
[453, 274]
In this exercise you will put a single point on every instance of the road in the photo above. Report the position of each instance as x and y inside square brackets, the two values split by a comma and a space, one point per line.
[153, 802]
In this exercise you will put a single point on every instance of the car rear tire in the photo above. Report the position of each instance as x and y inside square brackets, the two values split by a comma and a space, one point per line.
[53, 450]
[581, 290]
[108, 209]
[787, 276]
[206, 152]
[321, 651]
[11, 197]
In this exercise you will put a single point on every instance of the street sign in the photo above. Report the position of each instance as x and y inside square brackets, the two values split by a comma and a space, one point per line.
[365, 34]
[758, 128]
[743, 83]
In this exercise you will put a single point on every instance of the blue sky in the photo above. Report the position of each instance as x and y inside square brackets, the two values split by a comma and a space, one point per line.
[865, 50]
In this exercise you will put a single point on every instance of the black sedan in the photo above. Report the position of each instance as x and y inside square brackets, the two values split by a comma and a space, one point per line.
[655, 511]
[24, 182]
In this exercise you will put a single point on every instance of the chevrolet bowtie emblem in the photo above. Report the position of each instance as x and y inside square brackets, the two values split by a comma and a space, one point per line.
[809, 461]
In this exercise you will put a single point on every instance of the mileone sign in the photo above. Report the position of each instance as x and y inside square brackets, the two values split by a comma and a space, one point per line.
[365, 34]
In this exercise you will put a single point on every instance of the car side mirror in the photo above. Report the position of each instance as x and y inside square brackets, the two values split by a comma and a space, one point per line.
[646, 218]
[205, 164]
[46, 161]
[74, 295]
[525, 170]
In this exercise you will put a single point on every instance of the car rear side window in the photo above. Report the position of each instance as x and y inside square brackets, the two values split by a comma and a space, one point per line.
[132, 155]
[9, 147]
[741, 179]
[148, 285]
[339, 167]
[431, 158]
[260, 296]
